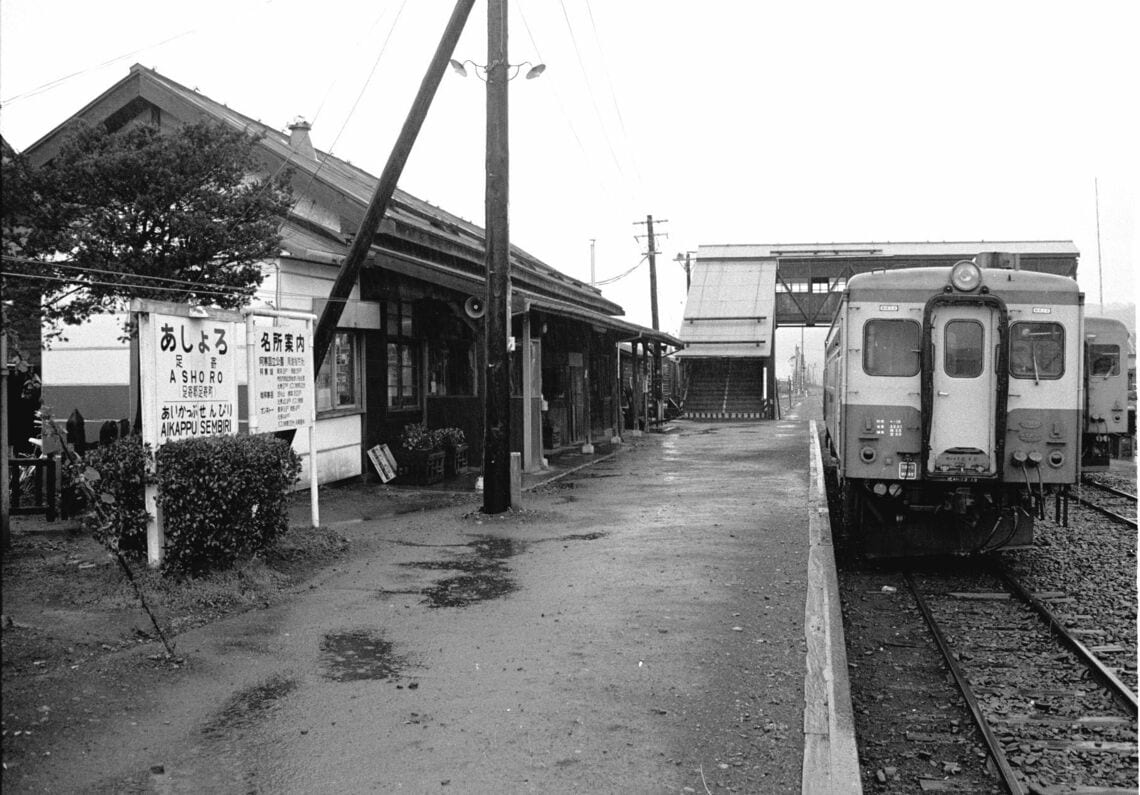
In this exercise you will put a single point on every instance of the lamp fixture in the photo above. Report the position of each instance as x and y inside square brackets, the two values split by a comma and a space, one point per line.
[460, 68]
[199, 312]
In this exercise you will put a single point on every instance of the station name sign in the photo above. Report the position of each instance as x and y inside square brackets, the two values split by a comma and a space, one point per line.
[193, 373]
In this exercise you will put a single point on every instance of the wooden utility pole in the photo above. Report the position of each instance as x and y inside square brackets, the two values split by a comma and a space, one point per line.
[496, 328]
[655, 386]
[362, 243]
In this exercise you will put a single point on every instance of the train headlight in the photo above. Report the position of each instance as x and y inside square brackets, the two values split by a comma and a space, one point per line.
[867, 455]
[1056, 459]
[965, 276]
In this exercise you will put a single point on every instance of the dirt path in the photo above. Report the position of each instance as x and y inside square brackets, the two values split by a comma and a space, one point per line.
[638, 627]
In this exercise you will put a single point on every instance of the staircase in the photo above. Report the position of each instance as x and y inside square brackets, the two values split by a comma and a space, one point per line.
[725, 389]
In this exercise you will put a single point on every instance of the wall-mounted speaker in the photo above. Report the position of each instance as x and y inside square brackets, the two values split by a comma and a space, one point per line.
[474, 307]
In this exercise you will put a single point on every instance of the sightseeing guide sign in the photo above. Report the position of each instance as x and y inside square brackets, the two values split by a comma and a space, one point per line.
[281, 375]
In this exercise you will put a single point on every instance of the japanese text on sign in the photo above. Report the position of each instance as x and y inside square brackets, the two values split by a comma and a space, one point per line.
[195, 377]
[282, 379]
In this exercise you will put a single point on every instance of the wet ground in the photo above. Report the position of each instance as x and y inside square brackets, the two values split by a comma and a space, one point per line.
[636, 627]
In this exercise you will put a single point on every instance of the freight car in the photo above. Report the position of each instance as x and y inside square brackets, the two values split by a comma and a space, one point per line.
[953, 405]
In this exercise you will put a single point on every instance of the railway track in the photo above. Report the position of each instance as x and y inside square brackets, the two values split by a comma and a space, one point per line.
[1118, 505]
[1054, 716]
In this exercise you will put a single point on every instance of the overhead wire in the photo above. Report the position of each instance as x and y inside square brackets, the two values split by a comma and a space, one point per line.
[59, 80]
[621, 276]
[590, 90]
[613, 94]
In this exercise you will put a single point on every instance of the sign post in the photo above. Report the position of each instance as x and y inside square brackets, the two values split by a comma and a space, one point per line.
[189, 382]
[281, 383]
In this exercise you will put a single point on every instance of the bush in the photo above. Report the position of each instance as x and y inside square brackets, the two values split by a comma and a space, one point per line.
[222, 498]
[119, 518]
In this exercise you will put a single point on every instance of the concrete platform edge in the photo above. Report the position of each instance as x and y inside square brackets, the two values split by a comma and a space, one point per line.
[831, 757]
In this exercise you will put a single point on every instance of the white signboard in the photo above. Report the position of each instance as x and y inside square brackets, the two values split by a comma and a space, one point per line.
[281, 379]
[192, 369]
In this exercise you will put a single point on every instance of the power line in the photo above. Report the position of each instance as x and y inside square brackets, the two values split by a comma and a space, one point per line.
[590, 90]
[621, 276]
[613, 93]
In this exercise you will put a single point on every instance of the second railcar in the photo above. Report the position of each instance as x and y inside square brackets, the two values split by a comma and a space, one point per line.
[952, 403]
[1107, 345]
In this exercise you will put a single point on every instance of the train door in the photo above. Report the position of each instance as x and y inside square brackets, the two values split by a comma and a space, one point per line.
[963, 391]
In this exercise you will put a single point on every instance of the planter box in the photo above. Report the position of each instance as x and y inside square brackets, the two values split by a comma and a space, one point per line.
[455, 460]
[421, 467]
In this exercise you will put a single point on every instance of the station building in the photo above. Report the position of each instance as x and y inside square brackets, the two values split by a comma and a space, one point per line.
[409, 345]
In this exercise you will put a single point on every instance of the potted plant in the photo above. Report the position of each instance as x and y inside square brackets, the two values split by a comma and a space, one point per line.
[421, 457]
[454, 445]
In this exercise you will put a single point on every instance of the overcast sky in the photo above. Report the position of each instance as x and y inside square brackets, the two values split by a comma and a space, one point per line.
[729, 121]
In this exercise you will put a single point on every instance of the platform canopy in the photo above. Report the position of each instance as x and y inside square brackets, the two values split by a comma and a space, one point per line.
[729, 310]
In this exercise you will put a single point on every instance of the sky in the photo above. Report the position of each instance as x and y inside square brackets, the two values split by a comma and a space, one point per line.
[728, 121]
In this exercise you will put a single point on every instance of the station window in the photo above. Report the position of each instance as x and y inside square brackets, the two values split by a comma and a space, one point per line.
[338, 382]
[964, 345]
[891, 347]
[1104, 360]
[1036, 350]
[403, 356]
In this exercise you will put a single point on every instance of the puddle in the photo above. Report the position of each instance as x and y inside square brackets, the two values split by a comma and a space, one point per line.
[358, 655]
[246, 708]
[468, 589]
[483, 574]
[582, 537]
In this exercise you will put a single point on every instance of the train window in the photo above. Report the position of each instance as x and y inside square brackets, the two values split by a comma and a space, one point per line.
[1104, 359]
[1036, 350]
[891, 347]
[964, 346]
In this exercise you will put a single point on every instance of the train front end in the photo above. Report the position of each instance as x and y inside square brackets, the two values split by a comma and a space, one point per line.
[962, 412]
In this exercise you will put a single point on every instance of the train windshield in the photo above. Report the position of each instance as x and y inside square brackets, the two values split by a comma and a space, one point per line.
[1104, 359]
[1037, 350]
[891, 347]
[965, 349]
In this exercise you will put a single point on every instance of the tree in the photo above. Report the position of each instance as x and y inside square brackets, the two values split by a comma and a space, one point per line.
[174, 215]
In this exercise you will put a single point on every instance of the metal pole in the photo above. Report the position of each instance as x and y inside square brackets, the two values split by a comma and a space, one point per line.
[496, 414]
[1099, 272]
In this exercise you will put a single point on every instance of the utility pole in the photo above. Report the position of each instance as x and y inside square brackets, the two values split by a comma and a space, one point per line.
[497, 407]
[656, 379]
[685, 258]
[362, 243]
[593, 277]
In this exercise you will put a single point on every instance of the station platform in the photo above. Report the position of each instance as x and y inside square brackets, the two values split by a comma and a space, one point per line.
[732, 513]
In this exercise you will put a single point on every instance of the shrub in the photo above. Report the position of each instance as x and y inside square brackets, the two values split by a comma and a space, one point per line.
[119, 518]
[222, 498]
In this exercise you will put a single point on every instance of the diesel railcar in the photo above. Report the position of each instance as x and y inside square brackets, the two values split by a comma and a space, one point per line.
[1107, 345]
[953, 405]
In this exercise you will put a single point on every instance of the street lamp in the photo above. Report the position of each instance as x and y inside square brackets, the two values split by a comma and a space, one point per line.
[460, 68]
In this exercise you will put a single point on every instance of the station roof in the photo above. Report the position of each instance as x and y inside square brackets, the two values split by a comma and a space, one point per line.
[959, 248]
[412, 226]
[730, 309]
